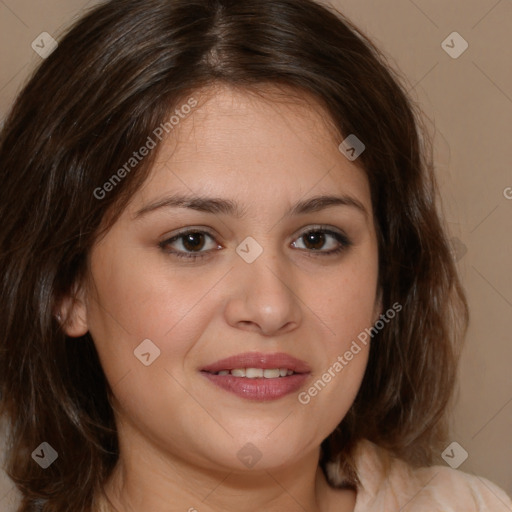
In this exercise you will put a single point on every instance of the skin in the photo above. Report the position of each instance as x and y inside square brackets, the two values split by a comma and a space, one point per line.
[179, 434]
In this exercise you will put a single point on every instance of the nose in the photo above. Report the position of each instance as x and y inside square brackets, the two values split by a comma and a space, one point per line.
[264, 296]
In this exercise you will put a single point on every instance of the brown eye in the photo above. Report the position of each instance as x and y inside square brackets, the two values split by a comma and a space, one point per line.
[189, 244]
[193, 241]
[316, 239]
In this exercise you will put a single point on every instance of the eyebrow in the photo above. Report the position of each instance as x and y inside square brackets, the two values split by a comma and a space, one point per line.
[218, 205]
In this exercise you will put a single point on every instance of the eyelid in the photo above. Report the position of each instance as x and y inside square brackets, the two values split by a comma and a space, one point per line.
[319, 227]
[187, 230]
[340, 236]
[183, 255]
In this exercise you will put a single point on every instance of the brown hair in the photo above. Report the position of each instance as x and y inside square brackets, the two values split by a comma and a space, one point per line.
[112, 80]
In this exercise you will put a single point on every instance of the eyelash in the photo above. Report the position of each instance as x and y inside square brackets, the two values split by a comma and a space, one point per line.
[344, 242]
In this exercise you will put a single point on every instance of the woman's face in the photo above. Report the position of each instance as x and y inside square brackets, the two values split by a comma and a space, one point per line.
[262, 294]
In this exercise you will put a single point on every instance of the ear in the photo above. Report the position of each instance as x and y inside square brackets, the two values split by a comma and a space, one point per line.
[72, 313]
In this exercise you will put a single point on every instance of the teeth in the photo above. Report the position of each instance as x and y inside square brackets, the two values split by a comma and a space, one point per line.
[255, 373]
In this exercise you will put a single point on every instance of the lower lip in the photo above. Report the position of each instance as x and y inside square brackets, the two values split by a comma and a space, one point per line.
[260, 389]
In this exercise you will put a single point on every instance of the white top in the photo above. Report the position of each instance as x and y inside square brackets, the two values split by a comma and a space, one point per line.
[426, 489]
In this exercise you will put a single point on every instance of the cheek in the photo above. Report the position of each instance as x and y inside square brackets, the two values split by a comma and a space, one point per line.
[348, 302]
[143, 297]
[142, 294]
[135, 300]
[346, 306]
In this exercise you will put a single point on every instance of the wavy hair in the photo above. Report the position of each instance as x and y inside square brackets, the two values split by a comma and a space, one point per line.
[115, 76]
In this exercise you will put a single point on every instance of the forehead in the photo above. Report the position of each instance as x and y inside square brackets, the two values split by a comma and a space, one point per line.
[255, 120]
[263, 148]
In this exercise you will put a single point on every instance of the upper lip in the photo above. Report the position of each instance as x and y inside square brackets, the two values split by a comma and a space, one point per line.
[259, 360]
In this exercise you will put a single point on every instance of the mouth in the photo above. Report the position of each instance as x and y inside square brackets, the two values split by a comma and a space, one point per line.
[257, 376]
[255, 373]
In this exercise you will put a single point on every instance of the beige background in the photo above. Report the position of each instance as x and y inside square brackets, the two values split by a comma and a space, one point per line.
[469, 103]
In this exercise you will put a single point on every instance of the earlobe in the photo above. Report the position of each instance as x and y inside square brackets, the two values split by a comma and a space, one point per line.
[72, 315]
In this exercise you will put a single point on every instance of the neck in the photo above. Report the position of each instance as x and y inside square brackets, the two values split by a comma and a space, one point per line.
[145, 479]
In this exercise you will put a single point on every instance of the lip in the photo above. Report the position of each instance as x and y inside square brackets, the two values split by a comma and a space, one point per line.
[259, 360]
[259, 389]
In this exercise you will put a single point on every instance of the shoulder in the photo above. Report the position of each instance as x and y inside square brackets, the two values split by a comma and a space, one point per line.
[389, 484]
